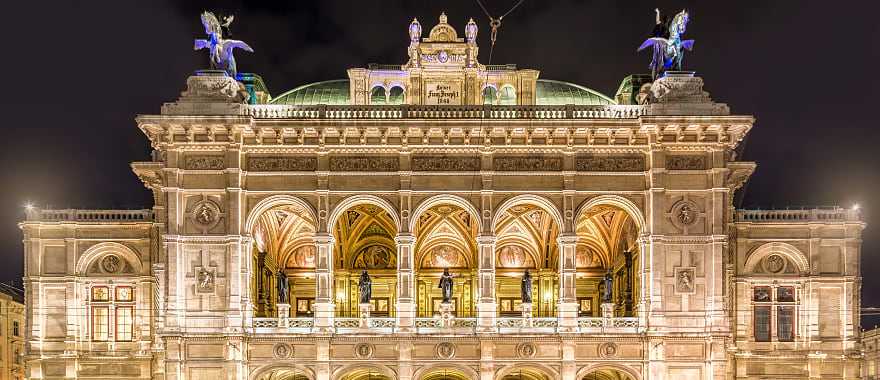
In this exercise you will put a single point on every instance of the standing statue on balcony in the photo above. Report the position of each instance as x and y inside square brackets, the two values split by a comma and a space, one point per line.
[526, 287]
[283, 287]
[220, 49]
[668, 51]
[608, 283]
[365, 286]
[446, 285]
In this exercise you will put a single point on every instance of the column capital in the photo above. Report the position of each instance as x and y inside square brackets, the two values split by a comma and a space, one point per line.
[567, 239]
[404, 239]
[323, 238]
[486, 239]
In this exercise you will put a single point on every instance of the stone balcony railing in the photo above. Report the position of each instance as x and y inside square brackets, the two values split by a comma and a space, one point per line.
[74, 215]
[281, 111]
[828, 214]
[505, 325]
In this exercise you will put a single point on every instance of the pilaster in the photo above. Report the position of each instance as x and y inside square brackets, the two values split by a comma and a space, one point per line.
[406, 306]
[324, 300]
[486, 307]
[568, 307]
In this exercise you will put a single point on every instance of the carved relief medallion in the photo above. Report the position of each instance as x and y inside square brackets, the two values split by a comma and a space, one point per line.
[111, 264]
[206, 214]
[445, 350]
[205, 281]
[526, 350]
[774, 264]
[608, 350]
[364, 350]
[282, 350]
[685, 213]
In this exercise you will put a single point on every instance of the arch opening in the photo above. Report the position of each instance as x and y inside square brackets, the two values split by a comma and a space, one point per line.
[396, 95]
[507, 96]
[526, 240]
[607, 244]
[283, 374]
[607, 374]
[445, 240]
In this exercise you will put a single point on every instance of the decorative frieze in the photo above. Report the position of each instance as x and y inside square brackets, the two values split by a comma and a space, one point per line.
[282, 164]
[686, 162]
[445, 164]
[212, 162]
[364, 164]
[527, 163]
[606, 163]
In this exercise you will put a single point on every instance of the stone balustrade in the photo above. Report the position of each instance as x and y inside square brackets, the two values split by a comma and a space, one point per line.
[281, 111]
[827, 214]
[103, 216]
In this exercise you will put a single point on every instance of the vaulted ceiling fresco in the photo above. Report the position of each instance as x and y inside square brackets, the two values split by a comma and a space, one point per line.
[526, 238]
[285, 233]
[603, 232]
[446, 238]
[365, 238]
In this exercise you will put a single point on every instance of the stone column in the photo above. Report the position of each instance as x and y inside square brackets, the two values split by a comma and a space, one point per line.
[406, 300]
[568, 308]
[486, 307]
[324, 297]
[627, 289]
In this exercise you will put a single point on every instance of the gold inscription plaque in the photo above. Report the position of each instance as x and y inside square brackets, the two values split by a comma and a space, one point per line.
[443, 93]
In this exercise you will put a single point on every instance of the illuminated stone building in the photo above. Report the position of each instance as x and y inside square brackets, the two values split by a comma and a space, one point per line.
[443, 162]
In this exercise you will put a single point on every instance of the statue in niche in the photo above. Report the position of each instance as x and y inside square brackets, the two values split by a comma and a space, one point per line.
[205, 280]
[365, 286]
[283, 287]
[685, 282]
[446, 285]
[607, 283]
[220, 49]
[526, 287]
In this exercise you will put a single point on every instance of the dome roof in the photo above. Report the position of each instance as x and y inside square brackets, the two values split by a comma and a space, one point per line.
[336, 92]
[330, 92]
[553, 93]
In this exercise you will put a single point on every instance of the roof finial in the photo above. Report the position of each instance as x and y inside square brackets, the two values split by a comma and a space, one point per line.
[443, 18]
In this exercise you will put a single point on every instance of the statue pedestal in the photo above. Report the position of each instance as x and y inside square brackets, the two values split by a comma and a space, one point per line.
[446, 316]
[607, 310]
[364, 314]
[283, 314]
[526, 314]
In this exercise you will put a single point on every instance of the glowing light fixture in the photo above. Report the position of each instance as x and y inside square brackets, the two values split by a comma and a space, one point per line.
[856, 206]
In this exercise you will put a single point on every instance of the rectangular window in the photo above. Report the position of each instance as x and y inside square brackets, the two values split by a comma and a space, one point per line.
[124, 324]
[124, 294]
[100, 323]
[762, 323]
[15, 328]
[762, 294]
[785, 294]
[785, 323]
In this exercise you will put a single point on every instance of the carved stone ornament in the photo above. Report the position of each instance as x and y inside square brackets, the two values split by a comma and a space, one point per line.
[205, 162]
[684, 280]
[282, 164]
[526, 163]
[364, 164]
[282, 351]
[685, 213]
[526, 350]
[686, 162]
[599, 163]
[445, 164]
[111, 264]
[774, 264]
[364, 350]
[205, 280]
[608, 350]
[445, 350]
[678, 88]
[206, 214]
[209, 86]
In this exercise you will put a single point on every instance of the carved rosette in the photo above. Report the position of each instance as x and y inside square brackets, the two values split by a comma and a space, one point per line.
[364, 350]
[282, 351]
[445, 350]
[526, 350]
[608, 350]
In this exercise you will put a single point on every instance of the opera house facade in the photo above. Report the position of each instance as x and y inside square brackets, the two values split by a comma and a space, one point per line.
[270, 211]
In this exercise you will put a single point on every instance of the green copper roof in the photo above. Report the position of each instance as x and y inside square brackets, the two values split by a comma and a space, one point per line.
[336, 92]
[331, 92]
[553, 92]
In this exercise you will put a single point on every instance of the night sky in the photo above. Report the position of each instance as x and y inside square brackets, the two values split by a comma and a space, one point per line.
[77, 72]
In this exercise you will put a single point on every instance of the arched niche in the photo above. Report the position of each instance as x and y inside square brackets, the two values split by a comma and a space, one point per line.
[762, 260]
[109, 259]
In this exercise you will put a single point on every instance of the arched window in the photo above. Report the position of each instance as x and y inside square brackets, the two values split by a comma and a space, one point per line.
[490, 95]
[378, 95]
[507, 96]
[397, 95]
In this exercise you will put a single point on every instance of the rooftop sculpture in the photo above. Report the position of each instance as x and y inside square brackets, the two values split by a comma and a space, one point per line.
[220, 49]
[667, 43]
